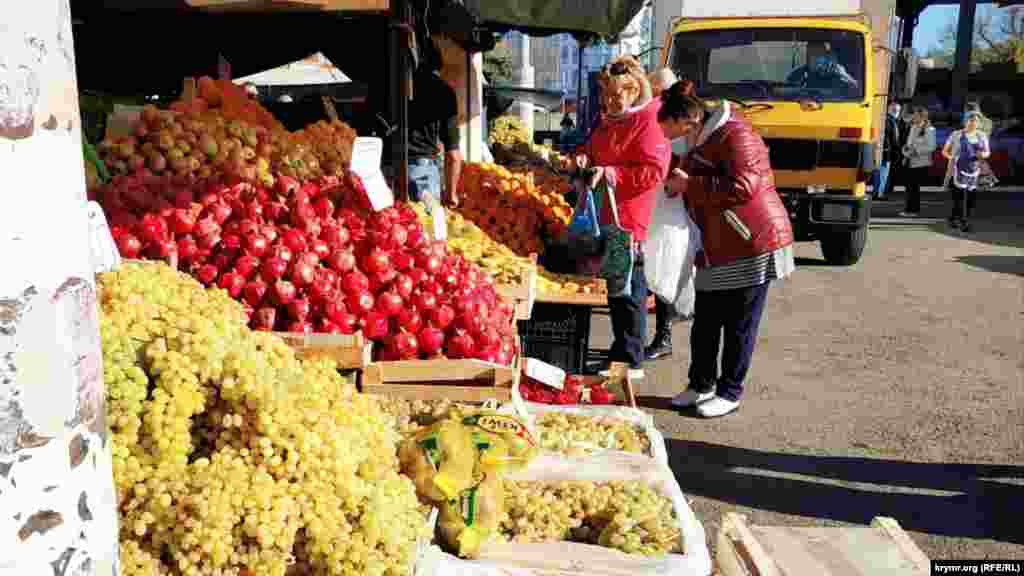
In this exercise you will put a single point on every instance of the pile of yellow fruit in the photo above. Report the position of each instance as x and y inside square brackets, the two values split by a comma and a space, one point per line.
[467, 239]
[511, 209]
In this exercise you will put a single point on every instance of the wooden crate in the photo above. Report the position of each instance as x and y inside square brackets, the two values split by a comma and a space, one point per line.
[456, 380]
[882, 549]
[524, 294]
[350, 351]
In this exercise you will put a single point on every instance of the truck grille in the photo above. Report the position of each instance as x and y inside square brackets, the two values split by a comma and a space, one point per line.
[793, 154]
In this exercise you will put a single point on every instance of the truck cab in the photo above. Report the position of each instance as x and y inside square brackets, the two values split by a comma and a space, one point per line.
[808, 85]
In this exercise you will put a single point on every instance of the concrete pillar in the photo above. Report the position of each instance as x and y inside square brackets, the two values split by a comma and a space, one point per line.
[523, 77]
[58, 510]
[962, 61]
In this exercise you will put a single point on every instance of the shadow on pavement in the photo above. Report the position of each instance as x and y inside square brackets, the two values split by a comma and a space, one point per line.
[809, 262]
[1002, 264]
[955, 500]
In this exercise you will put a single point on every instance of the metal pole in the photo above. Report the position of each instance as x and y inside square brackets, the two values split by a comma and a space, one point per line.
[400, 92]
[579, 83]
[962, 65]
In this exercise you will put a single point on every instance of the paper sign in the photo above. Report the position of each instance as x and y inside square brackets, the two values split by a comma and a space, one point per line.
[545, 373]
[105, 256]
[366, 156]
[440, 222]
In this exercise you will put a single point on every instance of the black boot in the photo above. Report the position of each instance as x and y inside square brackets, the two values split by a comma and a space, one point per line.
[661, 346]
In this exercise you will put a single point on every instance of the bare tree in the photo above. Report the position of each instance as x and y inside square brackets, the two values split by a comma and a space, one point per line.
[998, 38]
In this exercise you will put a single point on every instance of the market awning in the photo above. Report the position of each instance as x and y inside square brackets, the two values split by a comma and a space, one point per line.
[542, 17]
[310, 71]
[545, 99]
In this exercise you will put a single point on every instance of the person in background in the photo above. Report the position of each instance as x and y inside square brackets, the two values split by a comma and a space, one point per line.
[628, 149]
[898, 171]
[965, 149]
[433, 133]
[729, 188]
[917, 151]
[566, 133]
[664, 310]
[984, 122]
[890, 149]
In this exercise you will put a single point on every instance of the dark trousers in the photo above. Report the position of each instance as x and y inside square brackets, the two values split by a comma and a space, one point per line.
[915, 177]
[960, 198]
[629, 321]
[664, 314]
[737, 315]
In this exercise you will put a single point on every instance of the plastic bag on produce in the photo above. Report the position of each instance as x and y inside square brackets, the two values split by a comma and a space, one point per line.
[513, 442]
[440, 459]
[571, 559]
[531, 410]
[470, 520]
[669, 252]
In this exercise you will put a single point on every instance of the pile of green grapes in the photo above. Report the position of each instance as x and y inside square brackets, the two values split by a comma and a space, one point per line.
[627, 515]
[234, 458]
[570, 433]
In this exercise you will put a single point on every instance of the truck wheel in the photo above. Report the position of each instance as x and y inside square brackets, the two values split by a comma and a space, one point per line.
[844, 248]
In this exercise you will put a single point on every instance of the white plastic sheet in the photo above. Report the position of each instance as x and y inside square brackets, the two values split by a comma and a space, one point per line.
[571, 559]
[670, 251]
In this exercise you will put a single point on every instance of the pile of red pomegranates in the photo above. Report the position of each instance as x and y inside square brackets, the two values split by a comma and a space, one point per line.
[311, 257]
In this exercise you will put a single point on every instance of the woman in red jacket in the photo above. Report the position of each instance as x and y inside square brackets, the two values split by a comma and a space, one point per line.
[729, 188]
[629, 150]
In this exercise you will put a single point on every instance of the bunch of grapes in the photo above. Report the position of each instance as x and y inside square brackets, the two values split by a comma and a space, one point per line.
[573, 434]
[234, 458]
[626, 515]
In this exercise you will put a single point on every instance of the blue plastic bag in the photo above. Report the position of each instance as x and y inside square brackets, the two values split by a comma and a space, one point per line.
[584, 219]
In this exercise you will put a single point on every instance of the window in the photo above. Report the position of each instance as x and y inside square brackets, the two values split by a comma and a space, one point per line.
[773, 63]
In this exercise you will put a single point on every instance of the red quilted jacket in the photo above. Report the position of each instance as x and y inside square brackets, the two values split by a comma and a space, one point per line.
[635, 154]
[732, 196]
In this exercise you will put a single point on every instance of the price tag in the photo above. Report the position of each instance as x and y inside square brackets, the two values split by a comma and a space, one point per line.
[440, 222]
[105, 256]
[366, 157]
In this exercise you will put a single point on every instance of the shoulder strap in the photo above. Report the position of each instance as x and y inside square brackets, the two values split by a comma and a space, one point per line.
[611, 201]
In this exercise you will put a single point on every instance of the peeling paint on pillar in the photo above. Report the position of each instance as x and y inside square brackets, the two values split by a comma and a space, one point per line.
[58, 514]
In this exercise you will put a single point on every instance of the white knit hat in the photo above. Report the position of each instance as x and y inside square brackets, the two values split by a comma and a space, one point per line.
[663, 78]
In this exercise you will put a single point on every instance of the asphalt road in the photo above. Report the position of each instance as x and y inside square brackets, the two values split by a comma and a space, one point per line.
[894, 387]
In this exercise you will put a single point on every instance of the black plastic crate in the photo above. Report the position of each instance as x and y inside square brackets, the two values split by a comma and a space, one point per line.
[558, 334]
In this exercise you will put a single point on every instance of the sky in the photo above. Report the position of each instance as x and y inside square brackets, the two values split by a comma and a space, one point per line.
[931, 25]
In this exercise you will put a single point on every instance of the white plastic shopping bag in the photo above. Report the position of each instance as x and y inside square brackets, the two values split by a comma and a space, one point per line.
[685, 299]
[668, 252]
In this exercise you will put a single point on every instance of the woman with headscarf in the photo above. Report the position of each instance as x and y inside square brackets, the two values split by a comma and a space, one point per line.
[729, 188]
[629, 151]
[965, 149]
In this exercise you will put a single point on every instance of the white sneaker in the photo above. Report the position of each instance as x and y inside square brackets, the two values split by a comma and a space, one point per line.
[716, 407]
[690, 397]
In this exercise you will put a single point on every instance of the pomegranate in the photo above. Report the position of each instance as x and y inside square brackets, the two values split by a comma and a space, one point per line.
[341, 261]
[431, 340]
[389, 303]
[441, 317]
[299, 310]
[362, 301]
[273, 269]
[460, 345]
[375, 326]
[129, 246]
[245, 265]
[254, 292]
[409, 320]
[284, 292]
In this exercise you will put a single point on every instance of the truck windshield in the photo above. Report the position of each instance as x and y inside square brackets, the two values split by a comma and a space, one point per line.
[771, 64]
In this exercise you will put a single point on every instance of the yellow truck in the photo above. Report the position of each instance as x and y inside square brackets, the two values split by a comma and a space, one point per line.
[813, 81]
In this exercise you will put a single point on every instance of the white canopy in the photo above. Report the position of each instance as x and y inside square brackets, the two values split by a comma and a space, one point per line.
[312, 70]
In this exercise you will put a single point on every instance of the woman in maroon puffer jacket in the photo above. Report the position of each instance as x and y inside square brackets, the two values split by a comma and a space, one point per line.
[729, 188]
